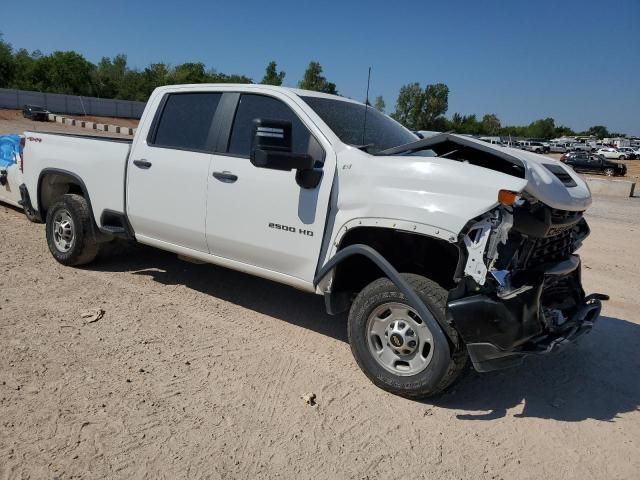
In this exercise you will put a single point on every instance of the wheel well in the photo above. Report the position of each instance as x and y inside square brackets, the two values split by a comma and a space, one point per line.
[53, 186]
[408, 253]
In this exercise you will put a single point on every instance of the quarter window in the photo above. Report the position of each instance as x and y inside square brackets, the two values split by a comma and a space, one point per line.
[185, 122]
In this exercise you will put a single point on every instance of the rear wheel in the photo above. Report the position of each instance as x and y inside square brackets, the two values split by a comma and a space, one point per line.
[70, 231]
[394, 347]
[609, 172]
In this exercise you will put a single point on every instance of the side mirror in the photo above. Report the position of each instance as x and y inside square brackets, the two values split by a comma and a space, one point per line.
[271, 147]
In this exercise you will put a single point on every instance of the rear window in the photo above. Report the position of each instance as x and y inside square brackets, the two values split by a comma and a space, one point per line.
[185, 121]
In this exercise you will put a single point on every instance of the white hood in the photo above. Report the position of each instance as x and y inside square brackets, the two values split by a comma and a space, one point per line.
[548, 180]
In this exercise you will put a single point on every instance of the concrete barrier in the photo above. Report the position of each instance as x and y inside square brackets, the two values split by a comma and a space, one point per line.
[59, 119]
[613, 188]
[101, 126]
[52, 117]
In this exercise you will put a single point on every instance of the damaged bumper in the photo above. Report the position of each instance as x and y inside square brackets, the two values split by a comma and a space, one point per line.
[500, 333]
[530, 301]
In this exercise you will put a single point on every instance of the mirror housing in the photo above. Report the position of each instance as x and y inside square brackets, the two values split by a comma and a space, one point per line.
[271, 147]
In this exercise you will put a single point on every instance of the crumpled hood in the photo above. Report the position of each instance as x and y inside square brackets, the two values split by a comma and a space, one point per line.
[547, 183]
[548, 180]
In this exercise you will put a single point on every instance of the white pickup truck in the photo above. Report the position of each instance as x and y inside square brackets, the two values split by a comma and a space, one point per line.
[442, 249]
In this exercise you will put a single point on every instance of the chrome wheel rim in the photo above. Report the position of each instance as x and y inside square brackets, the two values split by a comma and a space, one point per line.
[63, 231]
[398, 339]
[608, 172]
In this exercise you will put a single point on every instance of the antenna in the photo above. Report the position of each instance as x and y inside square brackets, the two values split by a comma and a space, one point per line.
[366, 108]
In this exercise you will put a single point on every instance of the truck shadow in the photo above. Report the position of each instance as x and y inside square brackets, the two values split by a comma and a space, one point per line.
[263, 296]
[597, 379]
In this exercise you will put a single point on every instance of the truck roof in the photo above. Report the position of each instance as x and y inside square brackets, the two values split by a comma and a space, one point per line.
[250, 86]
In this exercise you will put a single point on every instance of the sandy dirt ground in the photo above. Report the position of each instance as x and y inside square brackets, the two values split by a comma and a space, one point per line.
[196, 371]
[11, 121]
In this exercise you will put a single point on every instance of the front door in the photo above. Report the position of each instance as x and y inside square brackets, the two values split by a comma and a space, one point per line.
[261, 217]
[168, 172]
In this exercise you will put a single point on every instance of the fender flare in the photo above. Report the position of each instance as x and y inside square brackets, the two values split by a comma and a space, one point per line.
[442, 355]
[97, 232]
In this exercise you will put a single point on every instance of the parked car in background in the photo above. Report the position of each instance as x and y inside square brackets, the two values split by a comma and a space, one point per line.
[558, 147]
[573, 155]
[629, 152]
[536, 147]
[611, 152]
[589, 163]
[584, 147]
[492, 140]
[34, 112]
[545, 144]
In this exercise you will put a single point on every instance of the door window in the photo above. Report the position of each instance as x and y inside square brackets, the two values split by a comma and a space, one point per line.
[251, 107]
[185, 121]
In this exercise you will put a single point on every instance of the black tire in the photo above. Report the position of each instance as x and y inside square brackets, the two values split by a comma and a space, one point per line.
[422, 384]
[83, 248]
[621, 157]
[609, 172]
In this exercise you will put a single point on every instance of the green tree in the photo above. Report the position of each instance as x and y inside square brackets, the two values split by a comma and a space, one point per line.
[109, 76]
[272, 76]
[314, 80]
[543, 128]
[66, 72]
[409, 106]
[379, 104]
[599, 131]
[7, 63]
[25, 77]
[490, 124]
[436, 104]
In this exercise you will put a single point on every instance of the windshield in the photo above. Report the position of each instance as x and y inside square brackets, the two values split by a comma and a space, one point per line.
[346, 119]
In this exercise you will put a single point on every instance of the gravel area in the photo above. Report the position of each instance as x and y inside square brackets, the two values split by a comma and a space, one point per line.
[195, 371]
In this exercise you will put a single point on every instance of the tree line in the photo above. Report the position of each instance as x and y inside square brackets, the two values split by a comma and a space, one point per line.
[416, 108]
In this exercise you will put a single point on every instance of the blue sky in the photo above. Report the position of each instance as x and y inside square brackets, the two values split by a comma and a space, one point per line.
[576, 61]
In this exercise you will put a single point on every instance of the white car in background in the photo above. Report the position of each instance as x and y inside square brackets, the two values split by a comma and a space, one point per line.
[611, 153]
[630, 153]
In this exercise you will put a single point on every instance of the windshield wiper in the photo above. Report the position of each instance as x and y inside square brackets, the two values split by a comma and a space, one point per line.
[364, 148]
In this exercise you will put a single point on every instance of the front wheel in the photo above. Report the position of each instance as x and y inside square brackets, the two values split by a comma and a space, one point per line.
[621, 157]
[394, 347]
[70, 231]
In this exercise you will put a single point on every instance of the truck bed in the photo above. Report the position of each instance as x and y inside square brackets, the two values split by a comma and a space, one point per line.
[98, 163]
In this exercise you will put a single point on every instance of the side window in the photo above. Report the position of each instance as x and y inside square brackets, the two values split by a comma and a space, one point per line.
[185, 121]
[253, 106]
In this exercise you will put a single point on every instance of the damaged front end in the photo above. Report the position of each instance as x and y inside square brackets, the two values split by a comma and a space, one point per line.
[519, 286]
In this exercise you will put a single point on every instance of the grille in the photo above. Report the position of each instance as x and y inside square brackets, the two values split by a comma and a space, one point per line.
[550, 249]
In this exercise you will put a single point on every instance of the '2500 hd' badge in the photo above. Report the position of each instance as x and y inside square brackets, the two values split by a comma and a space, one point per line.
[286, 228]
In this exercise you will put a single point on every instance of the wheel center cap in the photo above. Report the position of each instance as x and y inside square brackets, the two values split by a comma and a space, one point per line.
[396, 340]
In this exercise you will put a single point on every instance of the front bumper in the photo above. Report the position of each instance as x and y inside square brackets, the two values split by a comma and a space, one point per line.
[499, 333]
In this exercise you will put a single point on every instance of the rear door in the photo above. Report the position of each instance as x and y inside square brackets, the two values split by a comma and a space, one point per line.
[261, 217]
[168, 171]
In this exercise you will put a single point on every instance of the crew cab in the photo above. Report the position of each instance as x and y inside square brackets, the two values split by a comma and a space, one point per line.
[440, 249]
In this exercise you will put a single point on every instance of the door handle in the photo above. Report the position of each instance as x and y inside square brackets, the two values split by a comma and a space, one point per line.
[226, 177]
[142, 163]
